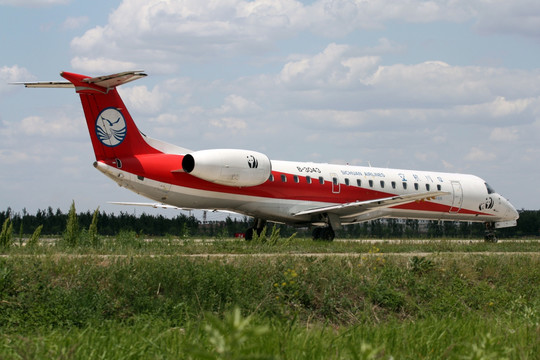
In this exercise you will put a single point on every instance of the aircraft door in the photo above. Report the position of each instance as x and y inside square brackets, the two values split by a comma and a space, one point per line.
[336, 186]
[457, 197]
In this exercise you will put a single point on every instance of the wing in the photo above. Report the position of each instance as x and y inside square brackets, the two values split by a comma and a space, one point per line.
[353, 209]
[165, 206]
[153, 205]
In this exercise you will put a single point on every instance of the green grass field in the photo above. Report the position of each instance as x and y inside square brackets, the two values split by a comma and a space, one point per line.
[130, 298]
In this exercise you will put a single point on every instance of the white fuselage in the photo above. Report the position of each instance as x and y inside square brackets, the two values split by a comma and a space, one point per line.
[297, 186]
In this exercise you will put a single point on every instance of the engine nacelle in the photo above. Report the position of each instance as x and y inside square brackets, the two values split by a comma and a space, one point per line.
[229, 167]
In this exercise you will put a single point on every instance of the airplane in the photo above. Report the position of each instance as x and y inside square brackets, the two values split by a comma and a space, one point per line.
[319, 195]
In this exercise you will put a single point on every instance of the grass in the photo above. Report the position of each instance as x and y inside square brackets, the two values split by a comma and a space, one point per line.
[436, 300]
[473, 338]
[131, 243]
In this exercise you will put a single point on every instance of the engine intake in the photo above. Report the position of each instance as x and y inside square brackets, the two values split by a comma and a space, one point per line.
[229, 167]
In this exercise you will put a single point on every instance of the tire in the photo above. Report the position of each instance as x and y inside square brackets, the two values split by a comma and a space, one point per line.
[328, 234]
[317, 232]
[249, 234]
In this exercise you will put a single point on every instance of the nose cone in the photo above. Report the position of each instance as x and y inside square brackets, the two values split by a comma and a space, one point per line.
[513, 212]
[510, 211]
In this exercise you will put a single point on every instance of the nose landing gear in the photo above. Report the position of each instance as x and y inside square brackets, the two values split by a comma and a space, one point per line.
[489, 235]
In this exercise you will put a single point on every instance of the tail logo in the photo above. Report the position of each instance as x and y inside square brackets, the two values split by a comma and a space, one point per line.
[111, 127]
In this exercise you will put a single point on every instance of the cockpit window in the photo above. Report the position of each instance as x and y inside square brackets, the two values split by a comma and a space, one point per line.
[490, 190]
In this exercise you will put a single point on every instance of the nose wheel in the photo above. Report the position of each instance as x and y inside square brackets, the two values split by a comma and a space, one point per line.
[489, 234]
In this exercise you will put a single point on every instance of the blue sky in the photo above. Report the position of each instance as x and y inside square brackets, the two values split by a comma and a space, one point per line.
[430, 85]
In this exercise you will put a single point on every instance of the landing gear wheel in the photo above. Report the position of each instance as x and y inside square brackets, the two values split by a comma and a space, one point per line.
[490, 235]
[323, 233]
[328, 234]
[258, 226]
[317, 233]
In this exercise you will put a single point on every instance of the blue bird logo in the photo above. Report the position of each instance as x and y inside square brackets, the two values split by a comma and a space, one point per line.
[109, 131]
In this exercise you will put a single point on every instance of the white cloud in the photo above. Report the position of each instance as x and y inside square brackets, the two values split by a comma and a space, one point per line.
[477, 154]
[335, 66]
[101, 65]
[11, 157]
[502, 107]
[509, 17]
[166, 119]
[139, 98]
[59, 127]
[504, 134]
[237, 104]
[229, 123]
[169, 31]
[75, 22]
[10, 74]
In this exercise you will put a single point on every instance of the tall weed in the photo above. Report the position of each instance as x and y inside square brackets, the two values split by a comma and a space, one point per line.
[93, 230]
[233, 337]
[271, 240]
[72, 233]
[6, 235]
[34, 239]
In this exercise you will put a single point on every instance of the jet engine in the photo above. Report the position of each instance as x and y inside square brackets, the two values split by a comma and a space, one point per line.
[229, 167]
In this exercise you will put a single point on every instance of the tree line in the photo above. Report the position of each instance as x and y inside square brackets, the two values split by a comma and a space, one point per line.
[54, 222]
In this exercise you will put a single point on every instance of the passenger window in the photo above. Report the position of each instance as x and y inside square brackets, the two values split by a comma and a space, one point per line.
[427, 187]
[308, 179]
[358, 182]
[283, 178]
[296, 179]
[370, 183]
[415, 186]
[321, 180]
[393, 184]
[347, 182]
[382, 184]
[439, 187]
[334, 181]
[271, 178]
[404, 186]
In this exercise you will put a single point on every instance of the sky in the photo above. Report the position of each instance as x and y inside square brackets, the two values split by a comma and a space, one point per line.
[451, 86]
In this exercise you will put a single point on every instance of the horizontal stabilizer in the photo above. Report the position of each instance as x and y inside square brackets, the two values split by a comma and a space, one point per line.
[110, 81]
[46, 84]
[106, 81]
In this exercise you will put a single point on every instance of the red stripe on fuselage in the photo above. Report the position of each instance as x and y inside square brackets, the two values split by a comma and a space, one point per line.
[160, 167]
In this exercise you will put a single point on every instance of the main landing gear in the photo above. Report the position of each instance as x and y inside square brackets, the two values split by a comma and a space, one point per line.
[325, 233]
[489, 235]
[258, 226]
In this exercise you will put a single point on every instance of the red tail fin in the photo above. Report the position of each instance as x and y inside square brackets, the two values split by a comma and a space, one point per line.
[112, 130]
